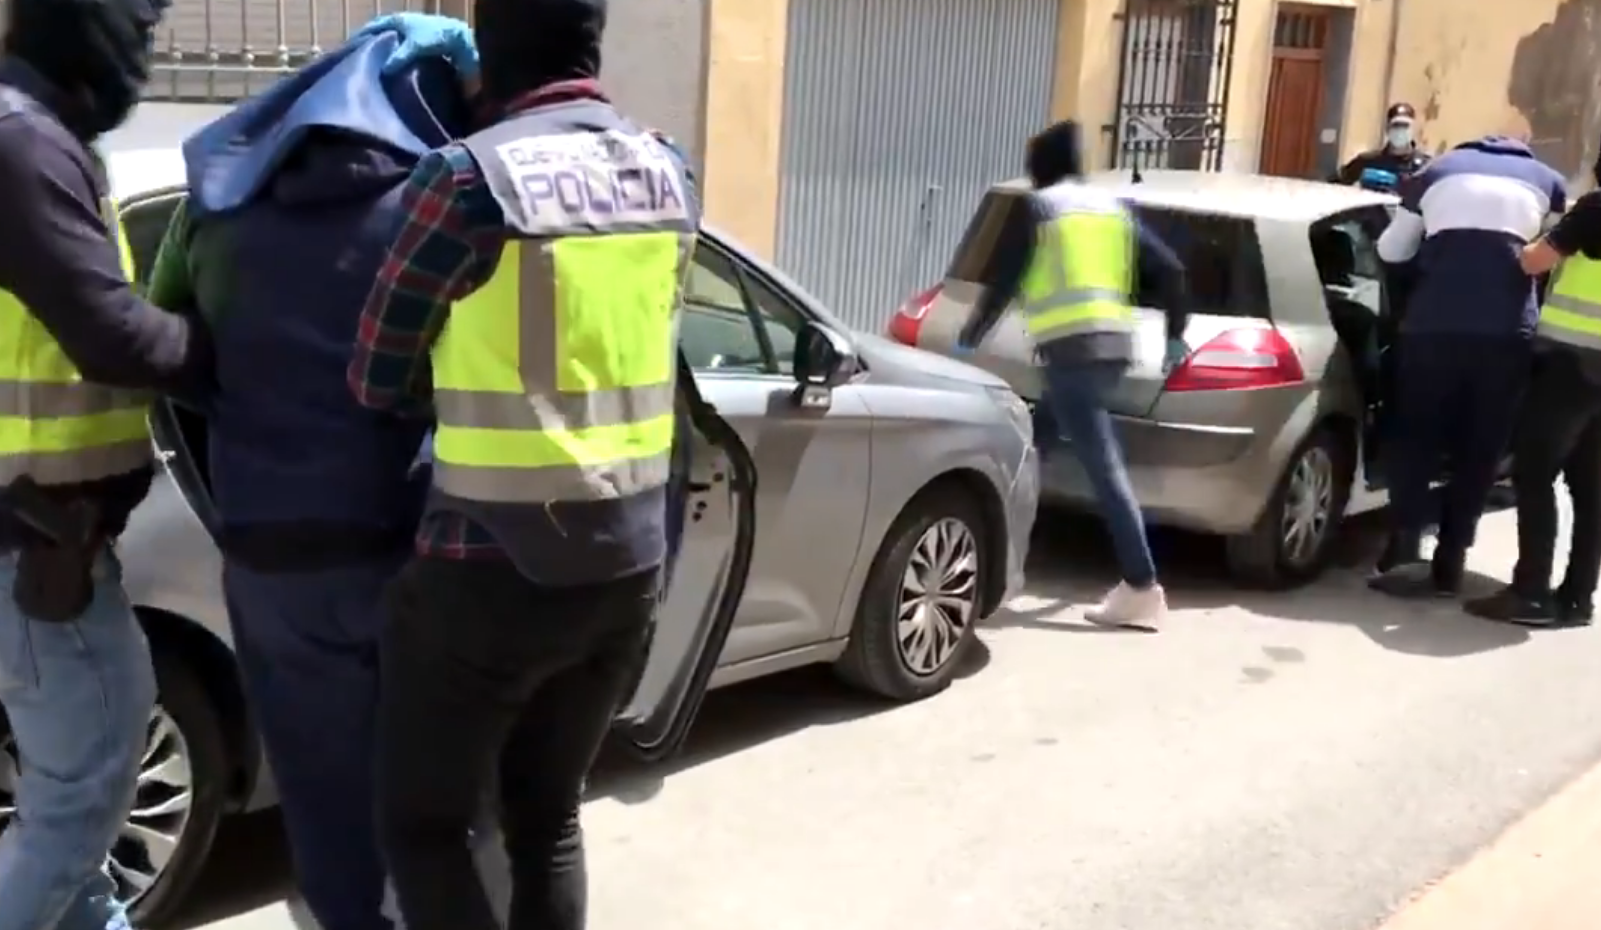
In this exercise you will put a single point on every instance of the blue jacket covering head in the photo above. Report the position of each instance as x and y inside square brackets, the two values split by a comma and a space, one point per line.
[407, 113]
[295, 200]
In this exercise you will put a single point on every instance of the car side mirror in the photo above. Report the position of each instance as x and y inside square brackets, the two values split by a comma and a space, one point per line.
[823, 360]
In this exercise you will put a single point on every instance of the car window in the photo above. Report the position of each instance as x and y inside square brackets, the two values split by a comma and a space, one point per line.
[976, 250]
[734, 321]
[144, 222]
[1222, 261]
[779, 322]
[1346, 252]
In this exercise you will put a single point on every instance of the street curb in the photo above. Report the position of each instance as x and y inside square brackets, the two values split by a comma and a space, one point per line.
[1541, 874]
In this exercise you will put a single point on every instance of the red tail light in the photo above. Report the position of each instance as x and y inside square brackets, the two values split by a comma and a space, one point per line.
[1239, 360]
[908, 318]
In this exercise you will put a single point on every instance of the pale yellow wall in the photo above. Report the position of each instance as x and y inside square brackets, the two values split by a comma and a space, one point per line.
[1089, 46]
[744, 118]
[1085, 86]
[1359, 124]
[1474, 67]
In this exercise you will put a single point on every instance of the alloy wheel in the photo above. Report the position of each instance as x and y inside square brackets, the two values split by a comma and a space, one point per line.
[163, 799]
[1308, 506]
[938, 596]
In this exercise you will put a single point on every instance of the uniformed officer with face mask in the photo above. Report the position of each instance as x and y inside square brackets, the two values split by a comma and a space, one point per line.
[1399, 155]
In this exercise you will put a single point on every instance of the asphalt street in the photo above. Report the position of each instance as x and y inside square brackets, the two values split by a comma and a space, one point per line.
[1307, 760]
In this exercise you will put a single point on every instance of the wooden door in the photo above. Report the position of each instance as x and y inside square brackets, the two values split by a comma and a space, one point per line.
[1295, 92]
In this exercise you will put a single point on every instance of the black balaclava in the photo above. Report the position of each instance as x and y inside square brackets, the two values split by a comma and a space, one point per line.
[96, 52]
[1053, 155]
[526, 44]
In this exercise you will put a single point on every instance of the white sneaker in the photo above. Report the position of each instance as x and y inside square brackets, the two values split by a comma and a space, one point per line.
[1131, 607]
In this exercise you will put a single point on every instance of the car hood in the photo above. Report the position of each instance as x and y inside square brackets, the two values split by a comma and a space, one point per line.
[906, 365]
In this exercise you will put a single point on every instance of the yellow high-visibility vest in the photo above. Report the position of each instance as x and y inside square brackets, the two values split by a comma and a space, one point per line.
[1571, 313]
[54, 426]
[555, 380]
[1082, 270]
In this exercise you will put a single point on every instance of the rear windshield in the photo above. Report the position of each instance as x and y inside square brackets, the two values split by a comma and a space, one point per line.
[1220, 254]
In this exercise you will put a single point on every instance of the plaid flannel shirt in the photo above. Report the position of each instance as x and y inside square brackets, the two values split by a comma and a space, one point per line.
[447, 248]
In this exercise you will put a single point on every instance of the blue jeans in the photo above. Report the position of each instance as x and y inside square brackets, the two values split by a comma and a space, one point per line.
[308, 650]
[1076, 398]
[78, 696]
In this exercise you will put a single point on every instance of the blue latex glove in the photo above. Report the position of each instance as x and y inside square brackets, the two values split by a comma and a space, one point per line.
[426, 35]
[1174, 355]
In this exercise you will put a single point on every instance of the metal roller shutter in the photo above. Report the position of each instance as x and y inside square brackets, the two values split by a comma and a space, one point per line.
[897, 115]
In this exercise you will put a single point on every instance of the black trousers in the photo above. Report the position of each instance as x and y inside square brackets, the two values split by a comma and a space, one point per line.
[1457, 399]
[1560, 435]
[489, 679]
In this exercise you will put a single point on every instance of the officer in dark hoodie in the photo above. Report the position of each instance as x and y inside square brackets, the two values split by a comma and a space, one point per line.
[295, 197]
[1074, 260]
[532, 297]
[1465, 347]
[82, 350]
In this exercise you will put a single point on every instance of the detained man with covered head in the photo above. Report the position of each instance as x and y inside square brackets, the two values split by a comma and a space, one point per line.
[531, 299]
[295, 196]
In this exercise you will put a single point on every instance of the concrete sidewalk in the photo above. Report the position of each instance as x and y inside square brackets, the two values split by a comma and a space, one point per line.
[1540, 875]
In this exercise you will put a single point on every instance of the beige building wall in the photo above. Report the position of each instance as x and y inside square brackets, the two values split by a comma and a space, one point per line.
[1471, 67]
[1090, 49]
[743, 121]
[1474, 67]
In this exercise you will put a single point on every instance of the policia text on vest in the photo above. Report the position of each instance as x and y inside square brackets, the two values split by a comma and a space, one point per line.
[554, 381]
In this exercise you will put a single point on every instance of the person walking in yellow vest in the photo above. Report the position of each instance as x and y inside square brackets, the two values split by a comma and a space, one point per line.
[1560, 430]
[81, 352]
[1070, 260]
[532, 298]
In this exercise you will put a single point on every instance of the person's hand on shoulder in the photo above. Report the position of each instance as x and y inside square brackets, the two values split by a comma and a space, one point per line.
[427, 35]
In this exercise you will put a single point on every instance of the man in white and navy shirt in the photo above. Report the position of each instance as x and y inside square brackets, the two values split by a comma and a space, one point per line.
[1466, 343]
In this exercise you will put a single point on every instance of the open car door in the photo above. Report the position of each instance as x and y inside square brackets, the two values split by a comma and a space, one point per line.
[717, 490]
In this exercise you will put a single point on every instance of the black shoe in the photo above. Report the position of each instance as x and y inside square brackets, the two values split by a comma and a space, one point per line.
[1511, 606]
[1399, 549]
[1572, 611]
[1412, 581]
[1447, 569]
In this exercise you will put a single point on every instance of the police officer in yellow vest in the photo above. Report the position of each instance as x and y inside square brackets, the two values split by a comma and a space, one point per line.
[1073, 260]
[80, 352]
[1560, 431]
[546, 251]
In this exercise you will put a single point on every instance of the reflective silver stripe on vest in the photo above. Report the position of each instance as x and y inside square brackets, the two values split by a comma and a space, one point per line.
[1565, 335]
[541, 406]
[66, 399]
[89, 464]
[1063, 199]
[555, 484]
[1062, 297]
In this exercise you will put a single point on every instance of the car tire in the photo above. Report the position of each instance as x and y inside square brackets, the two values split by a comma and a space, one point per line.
[1266, 556]
[187, 703]
[878, 659]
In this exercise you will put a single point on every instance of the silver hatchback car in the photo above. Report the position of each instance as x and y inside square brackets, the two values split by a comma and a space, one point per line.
[894, 493]
[1265, 434]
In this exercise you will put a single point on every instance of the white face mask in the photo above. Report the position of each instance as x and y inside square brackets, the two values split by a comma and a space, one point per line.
[1399, 137]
